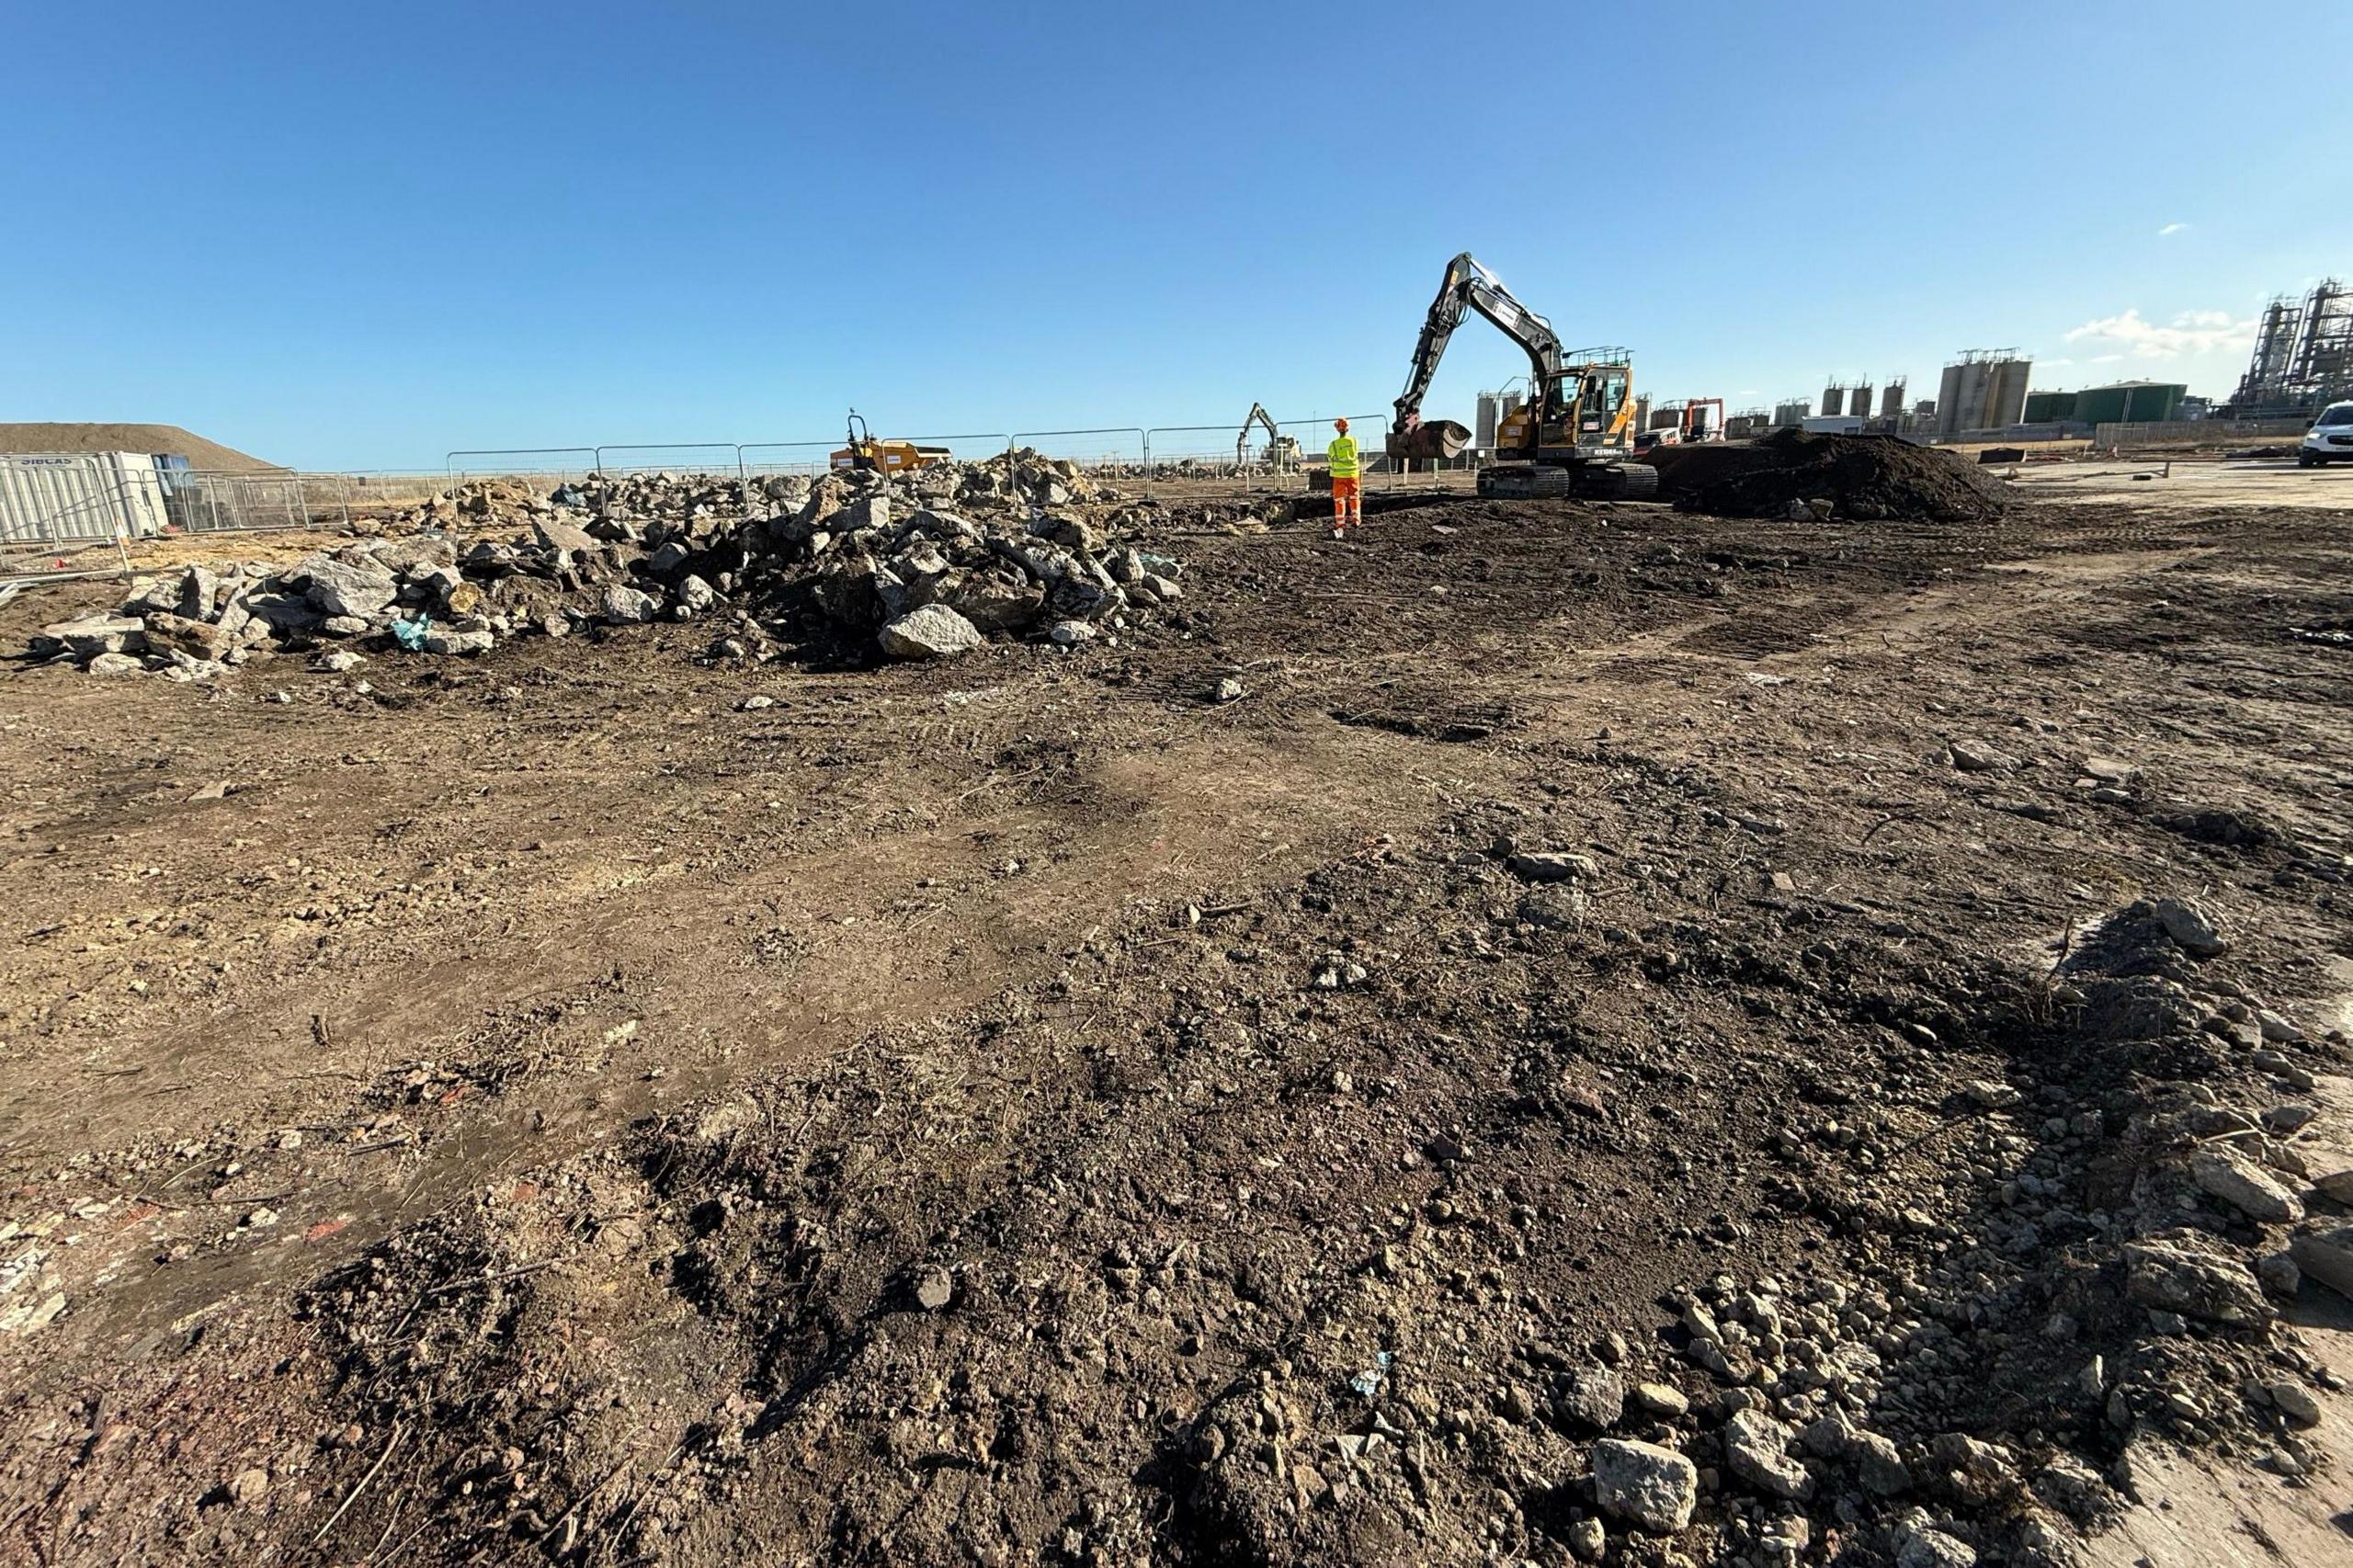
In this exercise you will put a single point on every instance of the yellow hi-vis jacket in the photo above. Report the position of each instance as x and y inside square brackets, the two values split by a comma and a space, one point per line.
[1342, 456]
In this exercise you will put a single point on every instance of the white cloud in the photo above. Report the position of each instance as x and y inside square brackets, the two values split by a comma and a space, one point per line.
[2192, 332]
[2171, 229]
[2051, 364]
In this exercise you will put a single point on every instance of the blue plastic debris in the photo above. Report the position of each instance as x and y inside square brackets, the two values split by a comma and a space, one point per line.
[410, 634]
[1366, 1383]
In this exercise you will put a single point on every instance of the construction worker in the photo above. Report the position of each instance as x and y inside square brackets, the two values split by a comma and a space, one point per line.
[1348, 511]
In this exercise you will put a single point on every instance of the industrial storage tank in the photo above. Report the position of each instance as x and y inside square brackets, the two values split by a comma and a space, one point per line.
[1797, 410]
[1834, 402]
[1985, 391]
[1858, 400]
[1891, 401]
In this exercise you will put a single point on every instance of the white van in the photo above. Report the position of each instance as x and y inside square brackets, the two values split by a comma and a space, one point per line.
[2330, 436]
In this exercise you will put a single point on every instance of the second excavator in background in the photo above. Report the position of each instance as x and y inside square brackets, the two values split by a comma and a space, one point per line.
[1283, 451]
[1571, 437]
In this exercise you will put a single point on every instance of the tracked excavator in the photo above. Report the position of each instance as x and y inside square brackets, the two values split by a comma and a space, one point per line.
[1283, 451]
[1575, 432]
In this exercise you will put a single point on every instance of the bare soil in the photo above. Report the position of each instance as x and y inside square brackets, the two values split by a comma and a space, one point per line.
[1024, 1110]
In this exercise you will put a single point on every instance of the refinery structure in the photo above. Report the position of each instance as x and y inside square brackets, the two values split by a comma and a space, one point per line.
[2303, 355]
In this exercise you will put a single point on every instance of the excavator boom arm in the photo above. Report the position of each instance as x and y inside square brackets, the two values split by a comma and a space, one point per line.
[1257, 415]
[1468, 286]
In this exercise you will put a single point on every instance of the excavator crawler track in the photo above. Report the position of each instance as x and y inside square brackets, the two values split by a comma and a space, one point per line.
[1618, 482]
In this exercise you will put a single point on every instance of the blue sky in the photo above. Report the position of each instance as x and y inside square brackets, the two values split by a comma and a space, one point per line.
[359, 236]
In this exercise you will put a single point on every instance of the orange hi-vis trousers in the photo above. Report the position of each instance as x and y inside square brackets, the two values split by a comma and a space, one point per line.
[1347, 510]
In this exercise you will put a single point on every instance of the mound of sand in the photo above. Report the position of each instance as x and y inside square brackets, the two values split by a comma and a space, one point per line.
[83, 438]
[1864, 477]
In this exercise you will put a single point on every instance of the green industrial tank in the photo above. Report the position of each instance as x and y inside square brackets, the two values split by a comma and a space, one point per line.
[2048, 407]
[2129, 402]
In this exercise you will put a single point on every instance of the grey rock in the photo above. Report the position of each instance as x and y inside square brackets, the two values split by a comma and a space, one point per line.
[2336, 1183]
[566, 539]
[117, 665]
[695, 594]
[934, 1288]
[1756, 1448]
[459, 640]
[990, 599]
[625, 606]
[2190, 1279]
[867, 512]
[2286, 1119]
[2327, 1257]
[199, 594]
[340, 587]
[187, 666]
[1878, 1463]
[933, 631]
[2225, 1173]
[340, 661]
[2278, 1029]
[2295, 1401]
[1553, 865]
[1970, 756]
[2279, 1274]
[1229, 690]
[1652, 1488]
[1663, 1400]
[1587, 1539]
[2191, 928]
[1592, 1398]
[1925, 1547]
[1985, 1465]
[155, 594]
[2073, 1488]
[85, 637]
[196, 639]
[1070, 633]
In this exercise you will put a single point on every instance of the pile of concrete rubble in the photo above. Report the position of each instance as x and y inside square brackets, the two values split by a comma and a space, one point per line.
[1021, 477]
[855, 559]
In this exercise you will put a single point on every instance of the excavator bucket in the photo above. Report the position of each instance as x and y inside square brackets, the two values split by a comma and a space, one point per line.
[1431, 438]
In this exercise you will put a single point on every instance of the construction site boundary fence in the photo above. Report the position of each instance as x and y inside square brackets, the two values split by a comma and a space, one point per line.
[2206, 432]
[74, 500]
[68, 502]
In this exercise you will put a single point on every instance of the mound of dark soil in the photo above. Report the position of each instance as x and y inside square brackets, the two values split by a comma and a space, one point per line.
[1863, 477]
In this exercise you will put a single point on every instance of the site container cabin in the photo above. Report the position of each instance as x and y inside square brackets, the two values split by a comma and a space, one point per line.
[69, 497]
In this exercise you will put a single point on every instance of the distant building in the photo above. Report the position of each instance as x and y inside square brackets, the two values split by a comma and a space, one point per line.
[2048, 407]
[1792, 411]
[2127, 403]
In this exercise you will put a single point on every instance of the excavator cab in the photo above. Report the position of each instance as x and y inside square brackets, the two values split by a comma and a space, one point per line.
[1588, 412]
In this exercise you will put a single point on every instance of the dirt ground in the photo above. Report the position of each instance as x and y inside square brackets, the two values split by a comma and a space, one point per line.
[1024, 1110]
